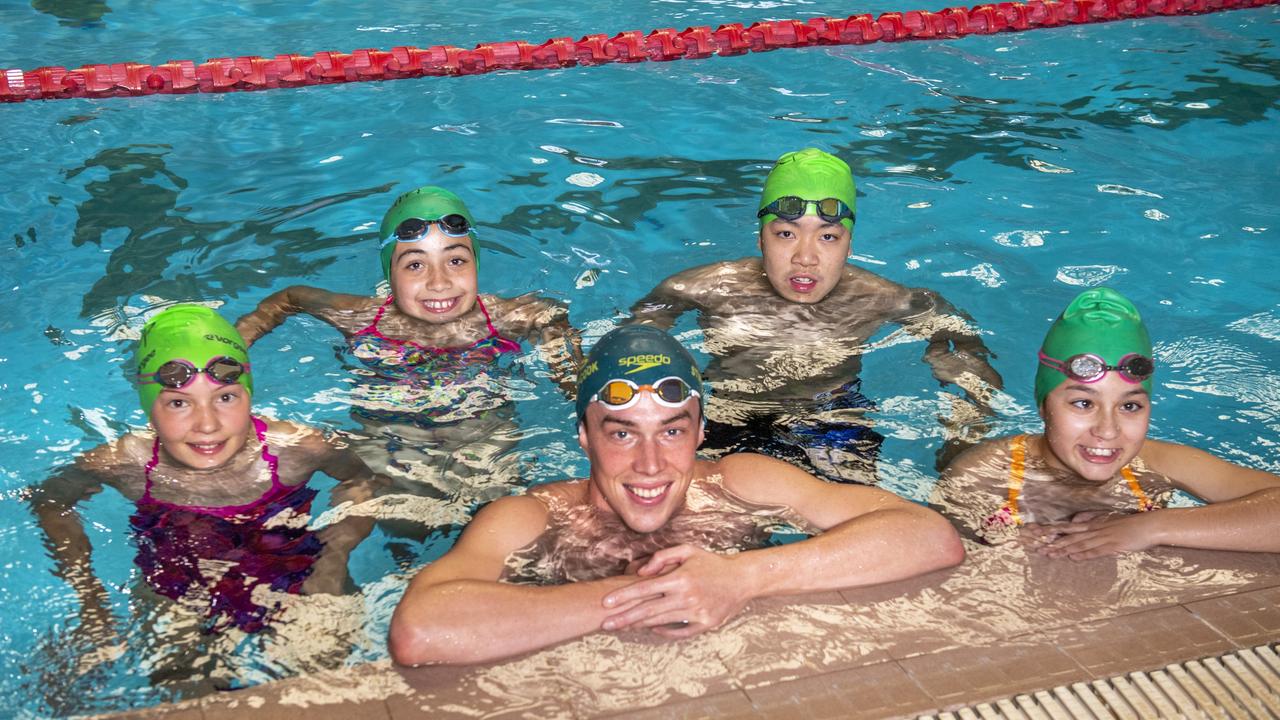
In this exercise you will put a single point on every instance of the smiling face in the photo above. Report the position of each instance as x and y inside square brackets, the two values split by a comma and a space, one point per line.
[204, 424]
[434, 279]
[1094, 429]
[642, 459]
[804, 258]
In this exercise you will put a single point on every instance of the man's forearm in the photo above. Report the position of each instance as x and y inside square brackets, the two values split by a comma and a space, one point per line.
[471, 621]
[877, 547]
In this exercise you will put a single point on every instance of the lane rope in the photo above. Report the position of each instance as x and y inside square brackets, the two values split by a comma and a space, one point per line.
[219, 75]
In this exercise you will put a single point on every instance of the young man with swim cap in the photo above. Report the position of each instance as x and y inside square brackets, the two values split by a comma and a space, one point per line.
[786, 330]
[1093, 483]
[654, 539]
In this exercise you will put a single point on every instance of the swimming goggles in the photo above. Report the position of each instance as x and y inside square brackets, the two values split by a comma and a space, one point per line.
[668, 392]
[414, 229]
[177, 374]
[1088, 368]
[790, 207]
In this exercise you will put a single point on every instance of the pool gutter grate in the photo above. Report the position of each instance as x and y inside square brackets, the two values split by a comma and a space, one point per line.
[1238, 685]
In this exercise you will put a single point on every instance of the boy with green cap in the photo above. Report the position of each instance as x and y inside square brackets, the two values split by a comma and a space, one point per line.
[221, 495]
[786, 330]
[655, 539]
[1093, 483]
[431, 344]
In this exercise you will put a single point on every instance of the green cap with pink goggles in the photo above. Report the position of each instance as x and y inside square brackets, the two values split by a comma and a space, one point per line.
[182, 343]
[412, 215]
[809, 182]
[1099, 332]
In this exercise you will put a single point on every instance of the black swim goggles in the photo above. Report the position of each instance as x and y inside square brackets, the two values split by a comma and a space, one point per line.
[177, 374]
[790, 207]
[621, 394]
[414, 229]
[1089, 368]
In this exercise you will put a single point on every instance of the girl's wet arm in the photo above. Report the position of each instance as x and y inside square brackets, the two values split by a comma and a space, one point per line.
[337, 309]
[1243, 510]
[54, 505]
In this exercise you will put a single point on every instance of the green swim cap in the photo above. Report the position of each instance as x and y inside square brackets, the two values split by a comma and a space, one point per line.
[640, 353]
[1100, 321]
[193, 333]
[425, 203]
[810, 174]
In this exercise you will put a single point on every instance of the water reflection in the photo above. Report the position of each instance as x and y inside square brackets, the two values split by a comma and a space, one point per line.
[134, 208]
[73, 13]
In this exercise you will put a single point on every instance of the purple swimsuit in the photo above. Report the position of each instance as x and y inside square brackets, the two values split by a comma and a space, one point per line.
[173, 540]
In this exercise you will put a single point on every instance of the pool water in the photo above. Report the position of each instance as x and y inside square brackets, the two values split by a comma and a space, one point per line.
[1006, 172]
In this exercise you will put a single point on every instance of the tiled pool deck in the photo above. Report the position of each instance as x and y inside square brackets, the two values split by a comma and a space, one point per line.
[1000, 624]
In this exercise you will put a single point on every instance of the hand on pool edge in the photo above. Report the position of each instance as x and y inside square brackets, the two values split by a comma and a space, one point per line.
[1092, 535]
[684, 591]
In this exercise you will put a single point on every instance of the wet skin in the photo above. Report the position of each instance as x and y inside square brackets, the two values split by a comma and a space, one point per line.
[434, 278]
[1095, 429]
[642, 459]
[804, 258]
[203, 425]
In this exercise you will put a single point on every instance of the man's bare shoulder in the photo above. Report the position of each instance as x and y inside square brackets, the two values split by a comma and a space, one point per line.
[714, 278]
[506, 524]
[753, 475]
[859, 281]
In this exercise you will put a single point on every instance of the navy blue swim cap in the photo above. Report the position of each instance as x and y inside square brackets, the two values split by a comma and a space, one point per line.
[640, 354]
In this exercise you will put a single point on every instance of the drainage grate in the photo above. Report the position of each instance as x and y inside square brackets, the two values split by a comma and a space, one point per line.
[1239, 685]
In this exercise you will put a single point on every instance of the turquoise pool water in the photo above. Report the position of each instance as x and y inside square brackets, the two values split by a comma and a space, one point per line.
[1006, 172]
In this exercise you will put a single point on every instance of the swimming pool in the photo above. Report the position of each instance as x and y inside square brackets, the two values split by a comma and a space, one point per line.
[1004, 171]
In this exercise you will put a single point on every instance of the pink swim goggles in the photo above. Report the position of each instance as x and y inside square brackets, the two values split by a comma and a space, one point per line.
[177, 374]
[1089, 368]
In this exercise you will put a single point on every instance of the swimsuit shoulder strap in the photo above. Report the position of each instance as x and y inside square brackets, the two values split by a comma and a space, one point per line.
[503, 344]
[1017, 474]
[146, 471]
[1144, 502]
[273, 462]
[373, 327]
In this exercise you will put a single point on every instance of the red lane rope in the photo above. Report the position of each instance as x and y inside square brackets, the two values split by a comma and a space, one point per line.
[258, 73]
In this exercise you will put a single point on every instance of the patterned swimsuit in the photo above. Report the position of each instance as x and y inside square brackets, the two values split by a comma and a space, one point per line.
[409, 381]
[180, 547]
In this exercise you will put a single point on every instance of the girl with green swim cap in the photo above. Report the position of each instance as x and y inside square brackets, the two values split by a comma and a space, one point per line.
[210, 482]
[434, 321]
[1093, 483]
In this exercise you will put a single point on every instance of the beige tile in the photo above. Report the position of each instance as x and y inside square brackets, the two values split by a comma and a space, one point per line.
[262, 707]
[979, 674]
[784, 638]
[733, 705]
[1140, 641]
[189, 710]
[1251, 618]
[873, 691]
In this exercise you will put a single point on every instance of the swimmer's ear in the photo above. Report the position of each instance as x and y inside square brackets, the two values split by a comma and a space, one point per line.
[702, 431]
[582, 435]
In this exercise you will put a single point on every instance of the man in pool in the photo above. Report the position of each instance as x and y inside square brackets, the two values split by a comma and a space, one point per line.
[655, 539]
[786, 330]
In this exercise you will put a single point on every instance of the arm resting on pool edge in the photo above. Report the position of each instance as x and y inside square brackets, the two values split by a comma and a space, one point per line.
[456, 611]
[869, 536]
[333, 308]
[1243, 513]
